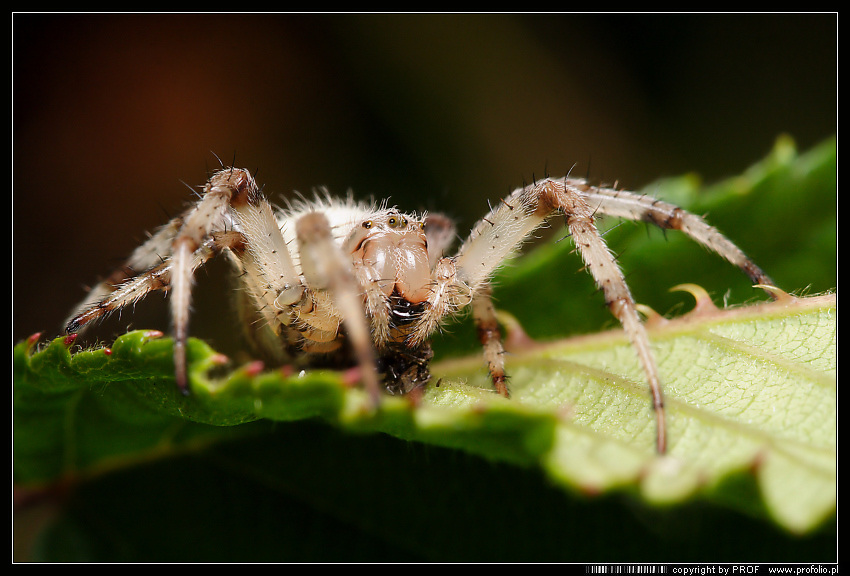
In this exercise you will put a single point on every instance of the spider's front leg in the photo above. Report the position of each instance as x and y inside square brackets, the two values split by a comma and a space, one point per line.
[325, 268]
[506, 227]
[639, 207]
[226, 188]
[510, 223]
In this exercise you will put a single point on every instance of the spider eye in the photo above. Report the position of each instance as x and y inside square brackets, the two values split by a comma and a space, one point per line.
[422, 225]
[392, 222]
[403, 221]
[367, 224]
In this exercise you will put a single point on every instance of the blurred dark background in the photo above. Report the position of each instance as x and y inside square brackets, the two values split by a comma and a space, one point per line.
[112, 113]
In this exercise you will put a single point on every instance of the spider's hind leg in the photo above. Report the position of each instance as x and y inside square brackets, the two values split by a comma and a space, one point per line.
[144, 259]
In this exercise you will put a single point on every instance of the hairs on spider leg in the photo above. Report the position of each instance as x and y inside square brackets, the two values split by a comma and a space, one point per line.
[614, 227]
[569, 171]
[220, 164]
[192, 189]
[649, 229]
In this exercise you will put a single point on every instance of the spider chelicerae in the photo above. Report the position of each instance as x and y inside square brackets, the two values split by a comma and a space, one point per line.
[327, 277]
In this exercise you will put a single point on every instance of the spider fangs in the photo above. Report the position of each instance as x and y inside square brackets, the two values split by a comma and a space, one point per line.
[336, 277]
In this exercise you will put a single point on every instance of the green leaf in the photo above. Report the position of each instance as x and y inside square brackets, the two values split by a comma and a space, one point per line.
[750, 395]
[749, 390]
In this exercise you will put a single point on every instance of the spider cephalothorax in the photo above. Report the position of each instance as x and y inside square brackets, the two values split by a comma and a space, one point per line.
[328, 277]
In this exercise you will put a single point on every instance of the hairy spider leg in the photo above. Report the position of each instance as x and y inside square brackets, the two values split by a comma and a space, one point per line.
[639, 207]
[325, 267]
[232, 214]
[145, 257]
[509, 223]
[304, 307]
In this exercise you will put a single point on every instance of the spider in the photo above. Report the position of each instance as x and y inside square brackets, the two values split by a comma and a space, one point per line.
[327, 279]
